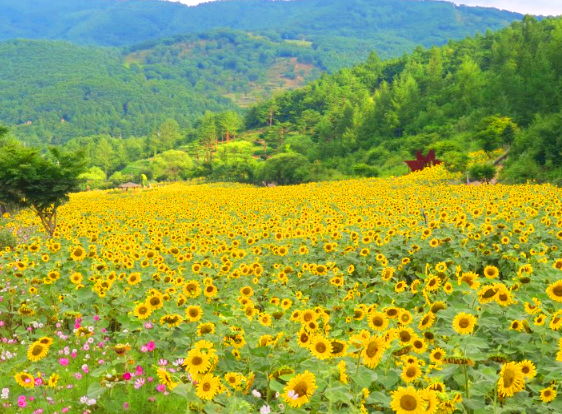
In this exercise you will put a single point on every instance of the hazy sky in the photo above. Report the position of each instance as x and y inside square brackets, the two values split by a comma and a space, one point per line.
[545, 7]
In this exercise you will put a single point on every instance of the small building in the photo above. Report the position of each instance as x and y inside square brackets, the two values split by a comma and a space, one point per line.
[127, 186]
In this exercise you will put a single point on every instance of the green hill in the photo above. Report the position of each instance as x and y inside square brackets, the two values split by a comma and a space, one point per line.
[392, 27]
[497, 93]
[52, 91]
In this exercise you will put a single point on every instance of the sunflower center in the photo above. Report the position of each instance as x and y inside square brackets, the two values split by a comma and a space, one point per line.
[408, 403]
[206, 387]
[377, 321]
[405, 336]
[337, 347]
[321, 347]
[372, 349]
[411, 372]
[193, 313]
[508, 378]
[37, 350]
[489, 293]
[557, 291]
[464, 323]
[301, 388]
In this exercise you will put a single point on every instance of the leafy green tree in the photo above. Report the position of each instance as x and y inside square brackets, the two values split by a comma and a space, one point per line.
[171, 165]
[480, 172]
[38, 181]
[168, 134]
[104, 155]
[364, 170]
[93, 177]
[234, 161]
[286, 168]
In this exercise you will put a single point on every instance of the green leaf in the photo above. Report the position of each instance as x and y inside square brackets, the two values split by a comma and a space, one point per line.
[276, 386]
[186, 391]
[365, 377]
[95, 390]
[338, 393]
[389, 379]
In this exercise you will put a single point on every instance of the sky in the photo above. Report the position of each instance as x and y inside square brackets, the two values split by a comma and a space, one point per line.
[545, 7]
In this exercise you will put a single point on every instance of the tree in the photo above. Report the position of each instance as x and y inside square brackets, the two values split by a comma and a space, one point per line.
[94, 176]
[482, 172]
[104, 155]
[168, 134]
[171, 164]
[38, 181]
[286, 168]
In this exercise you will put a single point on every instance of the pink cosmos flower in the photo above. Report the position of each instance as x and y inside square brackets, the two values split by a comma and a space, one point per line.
[126, 376]
[139, 383]
[161, 387]
[150, 346]
[21, 401]
[63, 362]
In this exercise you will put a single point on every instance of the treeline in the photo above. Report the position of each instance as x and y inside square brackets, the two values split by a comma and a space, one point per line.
[52, 91]
[392, 27]
[500, 93]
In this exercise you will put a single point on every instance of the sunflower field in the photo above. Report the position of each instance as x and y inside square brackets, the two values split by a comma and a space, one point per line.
[407, 295]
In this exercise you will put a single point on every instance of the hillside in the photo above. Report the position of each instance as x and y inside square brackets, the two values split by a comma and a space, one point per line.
[499, 93]
[353, 27]
[52, 90]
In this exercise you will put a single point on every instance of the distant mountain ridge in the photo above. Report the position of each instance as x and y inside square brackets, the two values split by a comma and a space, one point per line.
[395, 24]
[133, 64]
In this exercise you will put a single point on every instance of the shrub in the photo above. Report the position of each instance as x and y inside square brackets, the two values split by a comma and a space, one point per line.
[7, 239]
[480, 172]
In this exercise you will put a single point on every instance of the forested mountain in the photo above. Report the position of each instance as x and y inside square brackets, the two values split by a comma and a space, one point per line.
[353, 27]
[52, 90]
[499, 93]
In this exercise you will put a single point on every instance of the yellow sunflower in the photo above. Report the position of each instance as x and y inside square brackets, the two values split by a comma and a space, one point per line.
[25, 380]
[143, 311]
[300, 389]
[377, 320]
[511, 380]
[78, 253]
[208, 387]
[410, 372]
[197, 362]
[320, 347]
[548, 394]
[491, 272]
[53, 379]
[193, 313]
[464, 323]
[407, 401]
[528, 369]
[37, 351]
[166, 379]
[554, 291]
[373, 350]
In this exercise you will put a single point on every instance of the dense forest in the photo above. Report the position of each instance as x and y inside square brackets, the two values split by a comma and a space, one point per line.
[53, 90]
[497, 96]
[501, 92]
[259, 106]
[392, 27]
